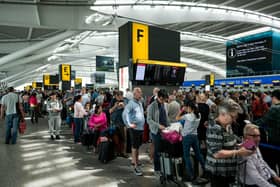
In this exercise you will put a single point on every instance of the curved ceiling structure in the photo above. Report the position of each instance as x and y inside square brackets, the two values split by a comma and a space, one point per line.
[44, 33]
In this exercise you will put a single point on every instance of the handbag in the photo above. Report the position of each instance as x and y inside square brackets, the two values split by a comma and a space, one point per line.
[22, 127]
[171, 136]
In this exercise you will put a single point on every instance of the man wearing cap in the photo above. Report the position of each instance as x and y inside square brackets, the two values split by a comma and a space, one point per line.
[54, 108]
[10, 103]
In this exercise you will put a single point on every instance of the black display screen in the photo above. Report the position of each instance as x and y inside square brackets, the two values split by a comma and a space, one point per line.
[104, 63]
[249, 58]
[99, 78]
[158, 74]
[54, 79]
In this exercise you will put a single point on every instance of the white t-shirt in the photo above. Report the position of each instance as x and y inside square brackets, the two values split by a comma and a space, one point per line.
[9, 101]
[191, 124]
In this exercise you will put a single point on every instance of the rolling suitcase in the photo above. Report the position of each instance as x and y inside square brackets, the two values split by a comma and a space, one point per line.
[171, 169]
[106, 151]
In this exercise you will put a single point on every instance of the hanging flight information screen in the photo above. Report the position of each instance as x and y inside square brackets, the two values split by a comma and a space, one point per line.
[140, 72]
[249, 58]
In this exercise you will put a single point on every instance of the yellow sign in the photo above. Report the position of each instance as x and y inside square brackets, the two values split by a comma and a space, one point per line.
[65, 72]
[78, 81]
[46, 80]
[140, 41]
[34, 84]
[163, 63]
[28, 87]
[212, 79]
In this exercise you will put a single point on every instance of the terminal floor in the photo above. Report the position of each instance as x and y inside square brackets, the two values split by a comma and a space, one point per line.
[37, 161]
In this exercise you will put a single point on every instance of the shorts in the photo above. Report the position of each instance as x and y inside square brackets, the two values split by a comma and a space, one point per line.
[135, 138]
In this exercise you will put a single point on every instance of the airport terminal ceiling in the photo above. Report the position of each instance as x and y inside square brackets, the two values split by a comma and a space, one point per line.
[37, 35]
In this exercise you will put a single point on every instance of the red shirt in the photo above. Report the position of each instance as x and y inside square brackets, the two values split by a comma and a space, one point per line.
[258, 108]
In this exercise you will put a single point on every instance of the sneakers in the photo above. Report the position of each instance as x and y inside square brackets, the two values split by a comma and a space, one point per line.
[52, 137]
[57, 137]
[138, 171]
[158, 174]
[139, 164]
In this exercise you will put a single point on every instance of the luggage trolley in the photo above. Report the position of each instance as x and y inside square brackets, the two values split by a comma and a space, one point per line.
[171, 162]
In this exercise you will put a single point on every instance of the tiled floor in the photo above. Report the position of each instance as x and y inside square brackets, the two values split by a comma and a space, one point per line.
[36, 161]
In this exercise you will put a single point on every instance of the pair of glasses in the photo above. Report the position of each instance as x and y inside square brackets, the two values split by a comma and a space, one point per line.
[254, 135]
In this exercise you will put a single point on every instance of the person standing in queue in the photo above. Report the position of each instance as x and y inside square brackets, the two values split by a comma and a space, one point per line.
[133, 117]
[79, 113]
[9, 106]
[221, 159]
[157, 119]
[54, 107]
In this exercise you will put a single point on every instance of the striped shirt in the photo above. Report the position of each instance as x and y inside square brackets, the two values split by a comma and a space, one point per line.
[218, 138]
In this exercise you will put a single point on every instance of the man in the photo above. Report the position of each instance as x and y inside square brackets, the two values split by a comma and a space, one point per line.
[271, 123]
[54, 108]
[257, 172]
[154, 96]
[9, 106]
[133, 117]
[68, 99]
[116, 109]
[85, 96]
[157, 119]
[129, 94]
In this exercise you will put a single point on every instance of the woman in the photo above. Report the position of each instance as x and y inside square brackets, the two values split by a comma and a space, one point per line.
[33, 107]
[97, 123]
[221, 159]
[79, 113]
[189, 133]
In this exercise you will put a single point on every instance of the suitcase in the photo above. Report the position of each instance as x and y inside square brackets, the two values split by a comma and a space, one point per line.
[89, 138]
[171, 169]
[106, 151]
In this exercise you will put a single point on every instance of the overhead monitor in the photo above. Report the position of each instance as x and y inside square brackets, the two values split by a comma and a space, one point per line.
[99, 78]
[104, 63]
[163, 74]
[140, 72]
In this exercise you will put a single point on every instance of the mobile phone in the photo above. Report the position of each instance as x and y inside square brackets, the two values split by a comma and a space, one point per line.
[249, 144]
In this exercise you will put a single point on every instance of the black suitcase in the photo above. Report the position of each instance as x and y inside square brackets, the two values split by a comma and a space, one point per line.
[171, 168]
[106, 151]
[89, 138]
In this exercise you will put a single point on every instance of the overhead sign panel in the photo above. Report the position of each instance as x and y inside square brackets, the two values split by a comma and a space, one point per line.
[65, 72]
[140, 41]
[46, 79]
[251, 55]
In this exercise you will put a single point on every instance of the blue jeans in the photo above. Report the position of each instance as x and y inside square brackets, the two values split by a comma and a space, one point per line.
[188, 142]
[156, 141]
[78, 129]
[12, 121]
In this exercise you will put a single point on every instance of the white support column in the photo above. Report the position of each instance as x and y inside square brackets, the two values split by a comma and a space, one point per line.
[36, 46]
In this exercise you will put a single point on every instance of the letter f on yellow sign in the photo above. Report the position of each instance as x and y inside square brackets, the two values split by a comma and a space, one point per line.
[140, 42]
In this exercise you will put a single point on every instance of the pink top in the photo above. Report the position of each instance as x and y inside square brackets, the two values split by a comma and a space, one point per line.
[98, 119]
[33, 100]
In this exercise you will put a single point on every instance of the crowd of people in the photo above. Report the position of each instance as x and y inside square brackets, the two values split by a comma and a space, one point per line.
[217, 126]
